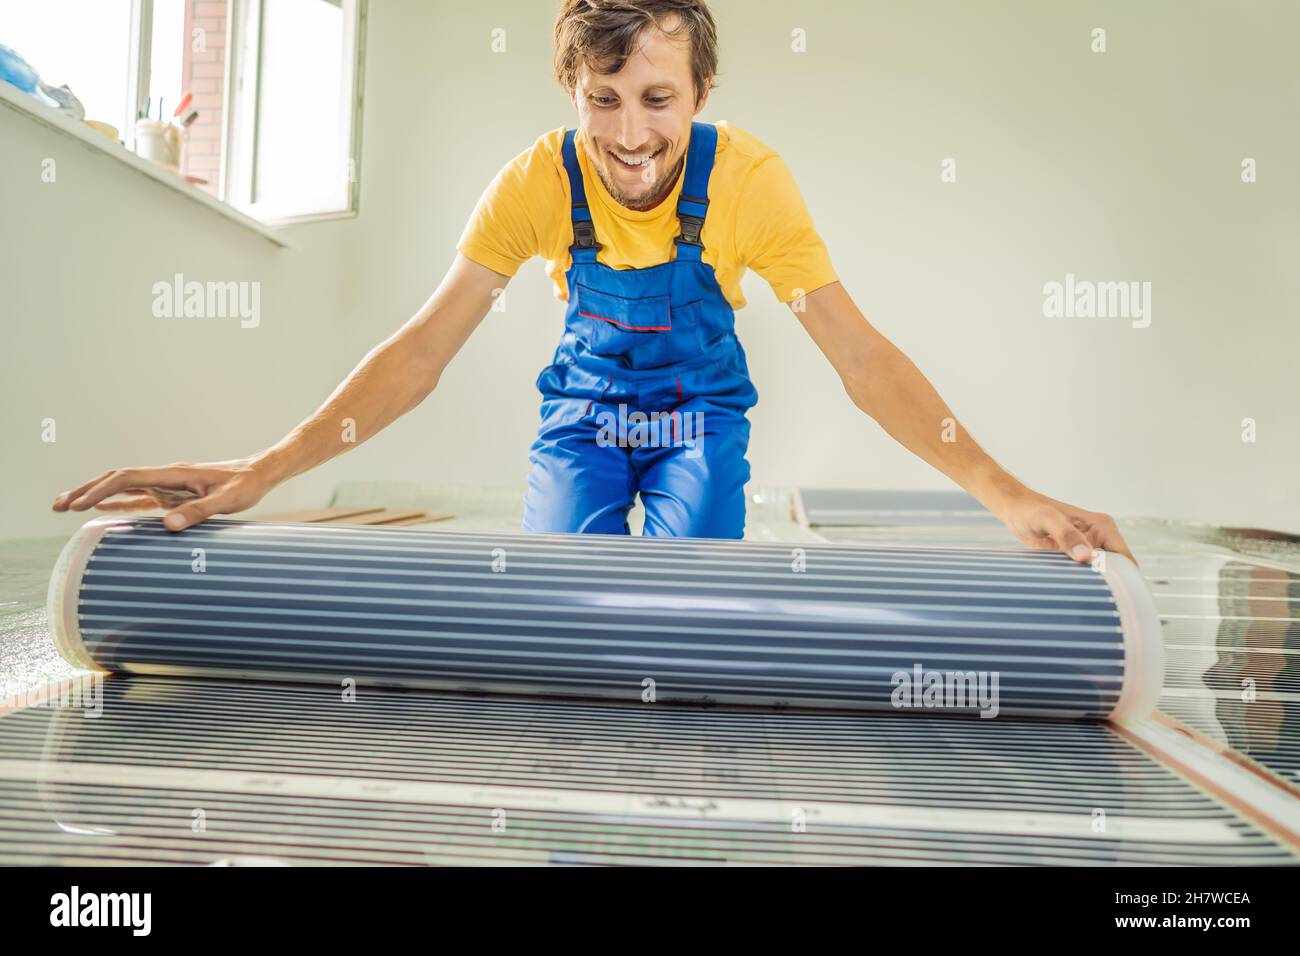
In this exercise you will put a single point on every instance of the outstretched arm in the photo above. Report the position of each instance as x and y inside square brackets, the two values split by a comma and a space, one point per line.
[884, 383]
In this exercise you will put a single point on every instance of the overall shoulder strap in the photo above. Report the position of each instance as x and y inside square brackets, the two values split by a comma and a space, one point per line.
[584, 246]
[693, 203]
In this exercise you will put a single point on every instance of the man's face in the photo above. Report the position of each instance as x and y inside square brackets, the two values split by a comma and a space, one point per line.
[636, 123]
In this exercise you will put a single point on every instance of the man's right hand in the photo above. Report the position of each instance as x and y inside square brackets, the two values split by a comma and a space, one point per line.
[190, 492]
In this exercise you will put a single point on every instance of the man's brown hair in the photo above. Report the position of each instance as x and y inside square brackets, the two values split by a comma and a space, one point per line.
[604, 33]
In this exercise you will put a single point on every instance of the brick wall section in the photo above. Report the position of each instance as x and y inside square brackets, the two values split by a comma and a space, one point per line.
[204, 75]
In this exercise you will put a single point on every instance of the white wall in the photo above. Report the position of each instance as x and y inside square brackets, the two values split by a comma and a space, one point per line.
[82, 346]
[1115, 166]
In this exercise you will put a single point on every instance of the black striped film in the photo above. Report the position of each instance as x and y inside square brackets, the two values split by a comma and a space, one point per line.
[1008, 632]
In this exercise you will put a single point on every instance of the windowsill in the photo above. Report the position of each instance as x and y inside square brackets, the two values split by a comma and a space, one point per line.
[28, 106]
[309, 218]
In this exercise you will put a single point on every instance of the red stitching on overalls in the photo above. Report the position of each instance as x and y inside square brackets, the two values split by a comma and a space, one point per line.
[590, 402]
[624, 325]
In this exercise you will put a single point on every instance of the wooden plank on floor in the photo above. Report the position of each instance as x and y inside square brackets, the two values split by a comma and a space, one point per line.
[423, 519]
[382, 517]
[319, 514]
[376, 517]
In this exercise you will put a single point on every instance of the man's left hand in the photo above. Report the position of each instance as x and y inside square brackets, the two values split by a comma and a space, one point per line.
[1049, 525]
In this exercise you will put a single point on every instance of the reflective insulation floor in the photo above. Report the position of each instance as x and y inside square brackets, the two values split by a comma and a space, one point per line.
[180, 771]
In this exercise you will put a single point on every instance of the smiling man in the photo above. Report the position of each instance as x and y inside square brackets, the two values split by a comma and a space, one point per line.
[647, 220]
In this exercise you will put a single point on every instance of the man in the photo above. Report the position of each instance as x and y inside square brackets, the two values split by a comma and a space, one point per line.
[648, 220]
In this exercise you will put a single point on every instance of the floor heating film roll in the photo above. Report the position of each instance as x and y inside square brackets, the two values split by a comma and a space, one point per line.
[698, 621]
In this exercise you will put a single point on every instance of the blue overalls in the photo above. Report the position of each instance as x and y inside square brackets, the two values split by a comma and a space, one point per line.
[648, 389]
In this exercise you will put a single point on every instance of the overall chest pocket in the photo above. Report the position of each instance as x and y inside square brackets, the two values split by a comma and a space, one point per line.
[618, 325]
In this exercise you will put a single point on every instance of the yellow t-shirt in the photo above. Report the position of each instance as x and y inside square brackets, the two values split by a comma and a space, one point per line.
[756, 220]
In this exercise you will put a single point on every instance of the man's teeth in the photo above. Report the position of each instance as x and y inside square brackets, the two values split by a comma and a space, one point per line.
[636, 160]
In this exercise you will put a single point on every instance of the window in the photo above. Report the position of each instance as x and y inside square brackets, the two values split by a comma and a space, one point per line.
[296, 104]
[91, 60]
[169, 74]
[182, 51]
[273, 87]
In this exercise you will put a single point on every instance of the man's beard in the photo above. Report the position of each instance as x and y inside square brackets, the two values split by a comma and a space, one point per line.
[640, 203]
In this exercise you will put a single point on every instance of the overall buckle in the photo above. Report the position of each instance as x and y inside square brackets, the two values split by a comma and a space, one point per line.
[691, 226]
[584, 235]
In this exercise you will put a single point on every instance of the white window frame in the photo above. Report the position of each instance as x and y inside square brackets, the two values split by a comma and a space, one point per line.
[139, 63]
[139, 51]
[238, 156]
